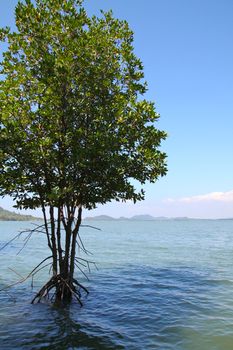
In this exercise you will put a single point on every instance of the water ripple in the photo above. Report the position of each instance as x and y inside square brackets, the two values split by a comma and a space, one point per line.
[133, 304]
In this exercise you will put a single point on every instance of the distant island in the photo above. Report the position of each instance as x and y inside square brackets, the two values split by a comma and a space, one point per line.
[6, 215]
[146, 218]
[133, 218]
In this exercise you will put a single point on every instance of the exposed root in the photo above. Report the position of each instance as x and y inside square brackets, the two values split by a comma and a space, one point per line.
[63, 290]
[62, 286]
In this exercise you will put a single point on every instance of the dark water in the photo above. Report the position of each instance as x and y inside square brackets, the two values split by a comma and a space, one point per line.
[160, 285]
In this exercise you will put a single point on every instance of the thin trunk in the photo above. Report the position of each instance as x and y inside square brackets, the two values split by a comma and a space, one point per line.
[53, 240]
[67, 249]
[74, 238]
[61, 267]
[46, 225]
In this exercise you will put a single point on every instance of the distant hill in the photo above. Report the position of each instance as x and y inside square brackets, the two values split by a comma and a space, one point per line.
[6, 215]
[100, 218]
[143, 218]
[133, 218]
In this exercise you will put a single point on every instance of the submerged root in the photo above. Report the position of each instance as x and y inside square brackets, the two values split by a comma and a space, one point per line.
[63, 290]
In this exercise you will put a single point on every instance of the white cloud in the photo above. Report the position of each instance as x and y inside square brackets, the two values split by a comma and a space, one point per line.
[209, 197]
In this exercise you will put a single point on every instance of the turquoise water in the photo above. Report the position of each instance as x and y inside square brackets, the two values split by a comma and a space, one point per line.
[159, 285]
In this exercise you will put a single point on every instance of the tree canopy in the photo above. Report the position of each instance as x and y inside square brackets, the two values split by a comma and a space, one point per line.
[74, 125]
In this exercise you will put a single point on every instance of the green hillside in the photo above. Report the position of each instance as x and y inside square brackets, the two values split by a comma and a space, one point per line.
[6, 215]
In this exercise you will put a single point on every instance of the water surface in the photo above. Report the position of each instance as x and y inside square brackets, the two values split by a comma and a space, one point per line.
[160, 285]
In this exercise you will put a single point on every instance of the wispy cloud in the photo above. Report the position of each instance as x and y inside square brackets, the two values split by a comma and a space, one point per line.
[209, 197]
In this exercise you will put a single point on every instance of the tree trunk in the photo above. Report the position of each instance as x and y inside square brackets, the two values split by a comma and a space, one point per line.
[63, 284]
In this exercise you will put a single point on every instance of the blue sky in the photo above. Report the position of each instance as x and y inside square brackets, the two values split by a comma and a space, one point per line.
[186, 48]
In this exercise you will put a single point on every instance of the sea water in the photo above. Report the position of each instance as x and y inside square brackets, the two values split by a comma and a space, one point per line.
[159, 285]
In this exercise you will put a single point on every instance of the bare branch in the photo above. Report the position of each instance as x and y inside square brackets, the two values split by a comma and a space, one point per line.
[18, 274]
[23, 279]
[84, 274]
[25, 243]
[80, 285]
[12, 240]
[81, 245]
[48, 257]
[95, 228]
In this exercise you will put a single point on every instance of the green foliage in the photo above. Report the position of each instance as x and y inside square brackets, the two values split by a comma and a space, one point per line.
[74, 127]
